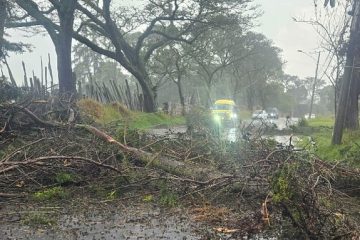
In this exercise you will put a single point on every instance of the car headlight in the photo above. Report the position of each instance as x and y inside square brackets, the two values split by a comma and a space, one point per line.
[217, 118]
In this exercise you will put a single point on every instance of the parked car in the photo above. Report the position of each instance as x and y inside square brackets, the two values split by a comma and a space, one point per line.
[306, 116]
[259, 114]
[273, 113]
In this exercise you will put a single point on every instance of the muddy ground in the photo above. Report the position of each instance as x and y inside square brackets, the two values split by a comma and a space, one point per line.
[98, 221]
[116, 219]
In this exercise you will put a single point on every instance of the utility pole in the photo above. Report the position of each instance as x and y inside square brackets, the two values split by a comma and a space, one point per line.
[314, 86]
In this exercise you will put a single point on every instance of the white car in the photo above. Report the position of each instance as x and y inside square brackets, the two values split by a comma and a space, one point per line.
[259, 114]
[306, 116]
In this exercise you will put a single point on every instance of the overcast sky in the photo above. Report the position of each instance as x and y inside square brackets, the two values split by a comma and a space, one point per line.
[276, 23]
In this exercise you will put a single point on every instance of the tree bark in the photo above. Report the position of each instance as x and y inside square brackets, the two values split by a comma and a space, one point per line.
[60, 35]
[208, 95]
[347, 78]
[181, 96]
[352, 109]
[2, 24]
[63, 47]
[149, 103]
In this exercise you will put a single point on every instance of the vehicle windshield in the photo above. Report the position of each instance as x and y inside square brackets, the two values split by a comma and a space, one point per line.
[223, 107]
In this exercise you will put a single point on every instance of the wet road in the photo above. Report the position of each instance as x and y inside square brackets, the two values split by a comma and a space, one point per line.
[130, 222]
[232, 134]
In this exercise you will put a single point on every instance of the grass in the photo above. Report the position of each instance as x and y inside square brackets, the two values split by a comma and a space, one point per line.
[38, 218]
[63, 178]
[148, 120]
[110, 113]
[168, 199]
[320, 130]
[53, 193]
[322, 122]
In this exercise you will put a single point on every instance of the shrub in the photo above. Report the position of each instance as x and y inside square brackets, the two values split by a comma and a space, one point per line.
[51, 194]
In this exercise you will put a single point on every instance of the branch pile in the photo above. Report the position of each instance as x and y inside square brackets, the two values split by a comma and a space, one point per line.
[42, 139]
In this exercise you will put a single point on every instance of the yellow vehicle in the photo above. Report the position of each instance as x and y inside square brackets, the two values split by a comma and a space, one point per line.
[224, 111]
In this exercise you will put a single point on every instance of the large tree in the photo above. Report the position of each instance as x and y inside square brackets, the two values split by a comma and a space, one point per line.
[261, 66]
[159, 23]
[46, 14]
[173, 63]
[214, 52]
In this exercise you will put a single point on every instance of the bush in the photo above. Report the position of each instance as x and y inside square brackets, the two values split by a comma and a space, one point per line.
[303, 123]
[64, 178]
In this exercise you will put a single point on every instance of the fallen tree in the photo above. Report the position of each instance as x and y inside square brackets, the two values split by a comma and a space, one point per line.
[40, 139]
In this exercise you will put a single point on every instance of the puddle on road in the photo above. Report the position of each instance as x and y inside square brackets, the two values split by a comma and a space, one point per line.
[128, 223]
[285, 140]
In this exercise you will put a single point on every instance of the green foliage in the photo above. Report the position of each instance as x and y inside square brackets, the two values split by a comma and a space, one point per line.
[168, 199]
[38, 218]
[322, 122]
[303, 123]
[112, 195]
[148, 198]
[348, 151]
[51, 194]
[64, 178]
[281, 184]
[141, 120]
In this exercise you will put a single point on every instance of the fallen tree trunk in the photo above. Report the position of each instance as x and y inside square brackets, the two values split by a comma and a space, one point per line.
[147, 158]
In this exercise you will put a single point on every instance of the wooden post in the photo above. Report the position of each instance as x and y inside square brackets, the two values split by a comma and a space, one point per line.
[26, 84]
[51, 75]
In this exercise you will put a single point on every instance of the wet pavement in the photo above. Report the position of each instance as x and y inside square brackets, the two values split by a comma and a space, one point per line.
[233, 134]
[135, 222]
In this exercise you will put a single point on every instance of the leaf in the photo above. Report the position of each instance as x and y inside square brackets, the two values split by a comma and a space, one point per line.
[67, 163]
[20, 184]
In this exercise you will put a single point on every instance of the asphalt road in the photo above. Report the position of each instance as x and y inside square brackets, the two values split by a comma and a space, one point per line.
[232, 134]
[280, 122]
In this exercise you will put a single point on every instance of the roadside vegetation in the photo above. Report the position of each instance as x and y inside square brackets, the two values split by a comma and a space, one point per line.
[117, 114]
[317, 139]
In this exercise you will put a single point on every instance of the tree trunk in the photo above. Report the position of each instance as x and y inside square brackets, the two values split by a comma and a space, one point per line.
[343, 99]
[347, 78]
[181, 96]
[2, 24]
[63, 48]
[352, 109]
[149, 101]
[149, 104]
[335, 99]
[208, 96]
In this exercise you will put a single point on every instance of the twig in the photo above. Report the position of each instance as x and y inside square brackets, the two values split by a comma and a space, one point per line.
[14, 165]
